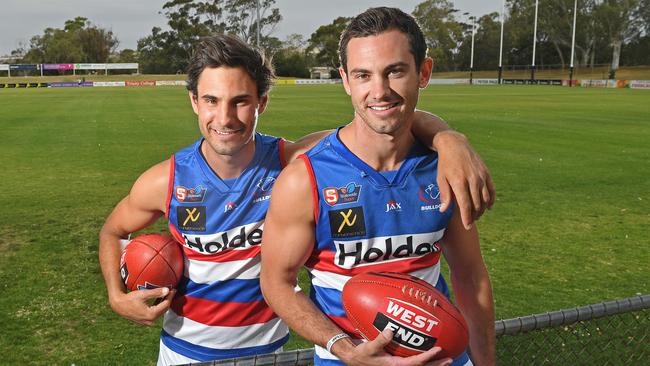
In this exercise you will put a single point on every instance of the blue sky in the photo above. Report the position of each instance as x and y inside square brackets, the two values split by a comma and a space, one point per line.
[131, 20]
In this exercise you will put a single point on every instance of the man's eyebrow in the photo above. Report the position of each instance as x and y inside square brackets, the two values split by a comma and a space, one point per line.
[396, 65]
[358, 70]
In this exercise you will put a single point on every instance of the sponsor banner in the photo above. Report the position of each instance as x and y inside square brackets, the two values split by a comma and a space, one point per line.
[171, 83]
[122, 66]
[639, 84]
[108, 83]
[4, 67]
[448, 81]
[485, 81]
[285, 82]
[317, 81]
[90, 66]
[141, 83]
[58, 66]
[599, 83]
[21, 67]
[69, 84]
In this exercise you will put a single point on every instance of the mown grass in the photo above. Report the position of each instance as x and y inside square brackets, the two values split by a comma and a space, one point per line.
[570, 226]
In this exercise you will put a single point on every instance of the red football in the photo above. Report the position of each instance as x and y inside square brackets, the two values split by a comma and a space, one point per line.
[151, 261]
[420, 316]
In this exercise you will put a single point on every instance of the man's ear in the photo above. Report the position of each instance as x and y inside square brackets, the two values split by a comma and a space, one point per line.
[425, 72]
[263, 103]
[194, 101]
[344, 76]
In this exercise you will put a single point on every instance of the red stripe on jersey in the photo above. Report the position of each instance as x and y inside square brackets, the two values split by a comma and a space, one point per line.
[227, 256]
[346, 325]
[324, 261]
[224, 314]
[314, 187]
[170, 186]
[281, 143]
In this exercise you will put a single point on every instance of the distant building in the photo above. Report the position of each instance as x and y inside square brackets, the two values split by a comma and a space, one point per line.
[321, 72]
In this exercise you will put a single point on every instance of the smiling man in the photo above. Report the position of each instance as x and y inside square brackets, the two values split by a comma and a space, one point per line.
[389, 222]
[218, 310]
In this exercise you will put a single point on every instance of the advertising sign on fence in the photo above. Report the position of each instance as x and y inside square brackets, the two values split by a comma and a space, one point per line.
[90, 66]
[141, 83]
[58, 66]
[4, 67]
[122, 66]
[170, 83]
[24, 67]
[639, 84]
[109, 83]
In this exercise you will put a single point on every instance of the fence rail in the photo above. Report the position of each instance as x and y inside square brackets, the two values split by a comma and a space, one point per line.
[608, 333]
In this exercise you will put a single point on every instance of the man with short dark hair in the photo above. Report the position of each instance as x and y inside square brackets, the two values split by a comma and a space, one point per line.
[214, 195]
[388, 221]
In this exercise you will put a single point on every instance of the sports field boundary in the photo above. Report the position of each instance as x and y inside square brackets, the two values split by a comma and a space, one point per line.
[606, 333]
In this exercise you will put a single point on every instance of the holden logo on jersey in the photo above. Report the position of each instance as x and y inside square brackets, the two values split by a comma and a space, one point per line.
[393, 205]
[196, 194]
[348, 194]
[229, 206]
[411, 325]
[431, 196]
[191, 218]
[242, 237]
[366, 252]
[263, 191]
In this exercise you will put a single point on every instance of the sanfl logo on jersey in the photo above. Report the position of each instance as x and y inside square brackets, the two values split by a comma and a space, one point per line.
[196, 194]
[348, 194]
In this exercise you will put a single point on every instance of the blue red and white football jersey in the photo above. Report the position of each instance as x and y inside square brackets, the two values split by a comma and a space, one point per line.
[367, 221]
[219, 311]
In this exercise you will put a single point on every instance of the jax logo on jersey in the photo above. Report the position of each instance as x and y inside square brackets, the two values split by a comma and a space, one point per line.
[263, 189]
[229, 206]
[348, 194]
[196, 194]
[412, 326]
[431, 196]
[393, 205]
[365, 252]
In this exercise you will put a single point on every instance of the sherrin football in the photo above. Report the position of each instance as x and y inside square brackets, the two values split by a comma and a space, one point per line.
[151, 261]
[420, 316]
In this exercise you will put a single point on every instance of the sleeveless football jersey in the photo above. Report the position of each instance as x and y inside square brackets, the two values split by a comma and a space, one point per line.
[370, 221]
[219, 311]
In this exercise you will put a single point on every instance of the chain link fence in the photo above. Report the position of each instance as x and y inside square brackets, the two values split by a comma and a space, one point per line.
[608, 333]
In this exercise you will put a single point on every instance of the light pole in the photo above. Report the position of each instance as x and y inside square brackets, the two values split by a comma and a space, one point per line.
[503, 17]
[532, 69]
[573, 41]
[471, 60]
[257, 25]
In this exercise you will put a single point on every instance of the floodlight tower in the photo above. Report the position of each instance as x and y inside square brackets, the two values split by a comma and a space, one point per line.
[471, 61]
[573, 41]
[503, 17]
[257, 24]
[532, 69]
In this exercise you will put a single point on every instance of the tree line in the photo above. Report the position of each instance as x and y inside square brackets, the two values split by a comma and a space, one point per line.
[613, 32]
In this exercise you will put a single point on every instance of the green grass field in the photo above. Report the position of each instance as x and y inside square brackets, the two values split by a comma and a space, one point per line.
[570, 226]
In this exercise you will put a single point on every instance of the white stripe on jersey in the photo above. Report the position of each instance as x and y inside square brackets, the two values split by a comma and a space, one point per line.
[337, 281]
[224, 337]
[209, 272]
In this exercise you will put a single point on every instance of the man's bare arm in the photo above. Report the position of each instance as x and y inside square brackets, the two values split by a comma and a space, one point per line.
[472, 288]
[140, 208]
